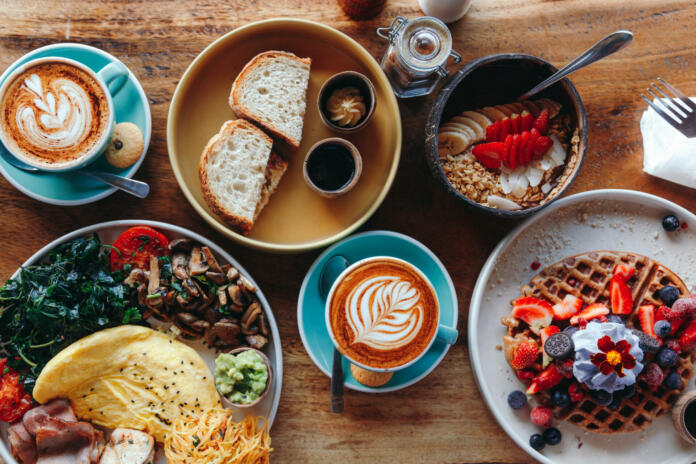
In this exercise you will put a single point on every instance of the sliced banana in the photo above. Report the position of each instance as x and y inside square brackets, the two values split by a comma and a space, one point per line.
[507, 111]
[532, 107]
[479, 117]
[518, 107]
[493, 113]
[479, 132]
[451, 143]
[553, 106]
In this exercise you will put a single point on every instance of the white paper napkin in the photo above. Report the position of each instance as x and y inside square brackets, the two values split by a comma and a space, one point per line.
[667, 153]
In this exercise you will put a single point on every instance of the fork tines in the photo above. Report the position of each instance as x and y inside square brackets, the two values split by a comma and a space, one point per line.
[679, 110]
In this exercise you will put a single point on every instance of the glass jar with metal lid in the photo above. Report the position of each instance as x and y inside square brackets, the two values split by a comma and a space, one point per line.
[417, 54]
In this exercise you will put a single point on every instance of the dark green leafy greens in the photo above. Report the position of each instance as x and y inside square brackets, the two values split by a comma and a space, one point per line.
[53, 304]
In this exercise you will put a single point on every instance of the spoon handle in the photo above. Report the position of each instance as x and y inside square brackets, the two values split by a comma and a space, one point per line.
[337, 383]
[134, 187]
[605, 47]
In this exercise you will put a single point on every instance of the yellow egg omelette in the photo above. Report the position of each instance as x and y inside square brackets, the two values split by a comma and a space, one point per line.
[130, 376]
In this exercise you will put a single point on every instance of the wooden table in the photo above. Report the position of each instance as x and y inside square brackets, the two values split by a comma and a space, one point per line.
[442, 418]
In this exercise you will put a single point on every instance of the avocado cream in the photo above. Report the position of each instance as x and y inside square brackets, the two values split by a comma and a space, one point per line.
[241, 377]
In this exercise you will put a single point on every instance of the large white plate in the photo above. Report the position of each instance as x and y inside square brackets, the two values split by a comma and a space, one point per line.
[602, 219]
[108, 231]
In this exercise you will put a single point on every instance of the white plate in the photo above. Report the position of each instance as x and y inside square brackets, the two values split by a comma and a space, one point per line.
[108, 231]
[622, 220]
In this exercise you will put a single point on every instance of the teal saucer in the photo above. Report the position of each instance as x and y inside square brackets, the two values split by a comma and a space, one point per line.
[310, 305]
[68, 188]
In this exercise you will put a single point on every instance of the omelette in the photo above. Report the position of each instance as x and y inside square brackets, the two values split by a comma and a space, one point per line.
[130, 377]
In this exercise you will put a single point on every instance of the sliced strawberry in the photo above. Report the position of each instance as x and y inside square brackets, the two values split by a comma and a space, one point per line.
[549, 378]
[529, 148]
[493, 132]
[526, 354]
[542, 146]
[624, 272]
[542, 122]
[646, 316]
[505, 128]
[546, 332]
[620, 294]
[514, 158]
[490, 154]
[567, 308]
[508, 146]
[674, 323]
[590, 312]
[687, 340]
[516, 124]
[527, 120]
[524, 140]
[535, 312]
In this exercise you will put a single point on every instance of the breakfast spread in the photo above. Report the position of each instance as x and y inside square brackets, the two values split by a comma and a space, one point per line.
[126, 145]
[346, 106]
[510, 156]
[604, 340]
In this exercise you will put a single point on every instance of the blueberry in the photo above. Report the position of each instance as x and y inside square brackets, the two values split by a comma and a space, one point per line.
[616, 319]
[628, 392]
[670, 223]
[673, 381]
[662, 328]
[668, 294]
[560, 398]
[552, 436]
[537, 442]
[667, 357]
[615, 403]
[602, 397]
[517, 399]
[570, 330]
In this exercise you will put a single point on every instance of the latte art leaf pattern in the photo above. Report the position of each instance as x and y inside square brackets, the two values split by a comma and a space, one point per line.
[54, 115]
[384, 312]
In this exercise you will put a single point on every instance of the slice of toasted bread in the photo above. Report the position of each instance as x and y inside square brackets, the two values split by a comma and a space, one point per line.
[271, 91]
[232, 171]
[274, 172]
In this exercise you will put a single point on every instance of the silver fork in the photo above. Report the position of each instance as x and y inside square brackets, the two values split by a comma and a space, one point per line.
[679, 111]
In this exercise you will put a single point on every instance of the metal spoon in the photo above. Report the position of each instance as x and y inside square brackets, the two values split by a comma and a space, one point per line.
[605, 47]
[134, 187]
[332, 269]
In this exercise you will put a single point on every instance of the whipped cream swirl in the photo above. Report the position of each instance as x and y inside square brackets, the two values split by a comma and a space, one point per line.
[346, 106]
[587, 372]
[53, 115]
[384, 312]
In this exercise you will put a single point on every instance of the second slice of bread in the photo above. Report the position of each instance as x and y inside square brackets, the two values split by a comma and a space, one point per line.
[271, 91]
[232, 171]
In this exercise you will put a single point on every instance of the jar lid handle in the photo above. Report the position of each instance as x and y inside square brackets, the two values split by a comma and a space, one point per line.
[390, 32]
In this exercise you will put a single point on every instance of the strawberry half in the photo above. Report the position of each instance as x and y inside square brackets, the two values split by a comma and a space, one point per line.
[535, 312]
[529, 148]
[620, 294]
[490, 154]
[542, 122]
[507, 160]
[687, 340]
[505, 128]
[516, 123]
[546, 332]
[624, 272]
[549, 378]
[493, 132]
[524, 140]
[567, 308]
[527, 120]
[646, 316]
[526, 354]
[514, 150]
[675, 323]
[590, 312]
[542, 146]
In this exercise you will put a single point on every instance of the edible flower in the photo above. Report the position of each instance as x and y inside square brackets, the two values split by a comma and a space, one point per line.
[614, 356]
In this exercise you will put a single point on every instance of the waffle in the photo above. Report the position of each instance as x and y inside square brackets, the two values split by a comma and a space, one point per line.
[587, 276]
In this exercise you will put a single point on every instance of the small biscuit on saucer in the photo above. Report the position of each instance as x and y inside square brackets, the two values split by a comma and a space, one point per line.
[126, 145]
[370, 378]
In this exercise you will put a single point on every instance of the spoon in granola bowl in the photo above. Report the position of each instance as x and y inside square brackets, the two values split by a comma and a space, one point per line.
[605, 47]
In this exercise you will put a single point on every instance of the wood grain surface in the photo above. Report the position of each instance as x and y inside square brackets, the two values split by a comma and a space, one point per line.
[443, 418]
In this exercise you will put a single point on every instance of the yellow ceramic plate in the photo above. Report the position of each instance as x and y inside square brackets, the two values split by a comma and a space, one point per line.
[296, 219]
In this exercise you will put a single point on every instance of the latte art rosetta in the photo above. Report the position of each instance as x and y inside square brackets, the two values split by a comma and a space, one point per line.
[384, 312]
[53, 115]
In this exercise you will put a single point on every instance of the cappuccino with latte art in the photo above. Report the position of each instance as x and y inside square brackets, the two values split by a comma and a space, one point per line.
[383, 313]
[53, 114]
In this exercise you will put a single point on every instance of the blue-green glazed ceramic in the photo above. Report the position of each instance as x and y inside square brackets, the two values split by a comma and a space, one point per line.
[310, 306]
[71, 188]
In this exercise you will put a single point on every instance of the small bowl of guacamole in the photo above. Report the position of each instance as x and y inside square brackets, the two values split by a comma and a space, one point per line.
[242, 376]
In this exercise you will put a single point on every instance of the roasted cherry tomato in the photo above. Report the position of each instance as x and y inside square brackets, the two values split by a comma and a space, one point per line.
[14, 400]
[136, 245]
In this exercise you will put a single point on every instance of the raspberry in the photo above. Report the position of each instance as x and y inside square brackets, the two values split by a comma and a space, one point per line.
[575, 393]
[565, 368]
[653, 375]
[535, 265]
[603, 319]
[673, 344]
[582, 323]
[541, 416]
[525, 375]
